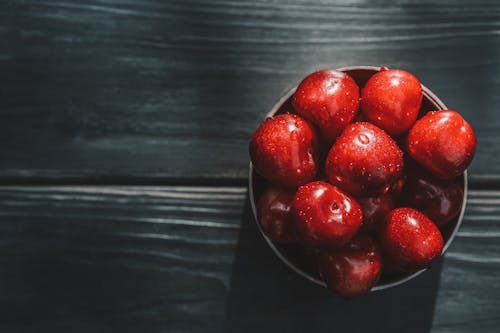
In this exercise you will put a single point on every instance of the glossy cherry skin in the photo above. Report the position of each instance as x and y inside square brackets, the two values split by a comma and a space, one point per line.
[391, 100]
[397, 187]
[284, 150]
[411, 239]
[325, 217]
[329, 99]
[274, 213]
[354, 269]
[440, 200]
[443, 143]
[364, 161]
[375, 210]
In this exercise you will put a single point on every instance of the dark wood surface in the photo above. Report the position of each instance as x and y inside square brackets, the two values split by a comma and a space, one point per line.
[124, 259]
[173, 89]
[179, 259]
[99, 96]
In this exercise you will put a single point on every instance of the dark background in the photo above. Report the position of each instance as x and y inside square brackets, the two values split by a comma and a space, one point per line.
[123, 167]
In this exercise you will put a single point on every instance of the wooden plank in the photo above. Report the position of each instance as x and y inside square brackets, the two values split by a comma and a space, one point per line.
[468, 298]
[167, 90]
[116, 259]
[183, 259]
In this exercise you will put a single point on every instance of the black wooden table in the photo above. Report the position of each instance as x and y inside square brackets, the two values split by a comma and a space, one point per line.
[124, 127]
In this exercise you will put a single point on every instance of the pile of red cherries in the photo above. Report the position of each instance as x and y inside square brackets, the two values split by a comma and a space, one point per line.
[362, 179]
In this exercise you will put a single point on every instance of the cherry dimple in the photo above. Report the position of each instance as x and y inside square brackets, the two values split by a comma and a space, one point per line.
[363, 139]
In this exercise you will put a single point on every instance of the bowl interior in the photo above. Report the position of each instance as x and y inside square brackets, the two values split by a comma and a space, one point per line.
[299, 259]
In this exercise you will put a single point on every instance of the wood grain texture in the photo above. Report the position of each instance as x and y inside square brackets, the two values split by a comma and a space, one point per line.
[169, 90]
[190, 259]
[468, 299]
[116, 259]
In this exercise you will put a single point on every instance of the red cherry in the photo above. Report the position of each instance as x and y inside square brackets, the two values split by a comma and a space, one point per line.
[329, 99]
[391, 100]
[443, 143]
[284, 150]
[275, 216]
[397, 186]
[325, 217]
[438, 199]
[354, 269]
[374, 210]
[364, 161]
[411, 239]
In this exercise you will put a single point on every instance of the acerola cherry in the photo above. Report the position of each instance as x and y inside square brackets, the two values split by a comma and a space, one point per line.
[284, 150]
[391, 100]
[329, 99]
[274, 213]
[440, 200]
[325, 217]
[443, 143]
[364, 161]
[354, 269]
[410, 239]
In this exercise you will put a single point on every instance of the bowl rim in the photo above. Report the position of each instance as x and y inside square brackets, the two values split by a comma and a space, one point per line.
[430, 95]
